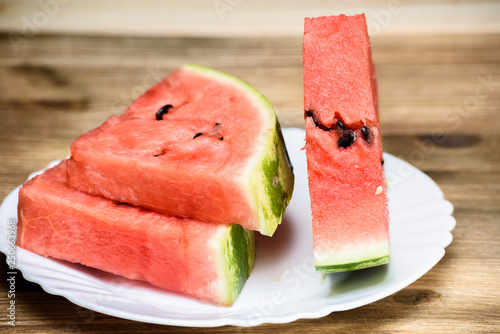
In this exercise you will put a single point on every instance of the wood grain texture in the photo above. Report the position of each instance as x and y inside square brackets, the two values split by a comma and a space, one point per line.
[440, 110]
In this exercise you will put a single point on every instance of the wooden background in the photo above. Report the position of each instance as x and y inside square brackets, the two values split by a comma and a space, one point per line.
[440, 110]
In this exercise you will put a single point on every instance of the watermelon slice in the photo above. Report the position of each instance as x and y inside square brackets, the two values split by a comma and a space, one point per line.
[207, 261]
[343, 146]
[200, 143]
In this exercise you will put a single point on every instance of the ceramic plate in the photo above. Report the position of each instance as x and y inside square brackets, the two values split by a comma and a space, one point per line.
[283, 286]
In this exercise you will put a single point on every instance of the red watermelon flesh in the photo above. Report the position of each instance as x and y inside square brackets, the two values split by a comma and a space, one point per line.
[208, 261]
[343, 146]
[217, 155]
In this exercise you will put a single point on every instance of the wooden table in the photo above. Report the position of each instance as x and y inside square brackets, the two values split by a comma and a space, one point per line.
[56, 87]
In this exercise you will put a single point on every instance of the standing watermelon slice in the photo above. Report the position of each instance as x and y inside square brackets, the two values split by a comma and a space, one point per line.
[343, 146]
[199, 143]
[208, 261]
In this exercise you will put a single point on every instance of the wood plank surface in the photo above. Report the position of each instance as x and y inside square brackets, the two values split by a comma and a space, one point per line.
[440, 110]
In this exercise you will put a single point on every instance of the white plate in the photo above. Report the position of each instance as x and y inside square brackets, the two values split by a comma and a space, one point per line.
[283, 286]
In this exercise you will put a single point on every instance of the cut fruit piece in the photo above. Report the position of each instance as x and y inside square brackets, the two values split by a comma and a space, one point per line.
[200, 143]
[209, 261]
[343, 146]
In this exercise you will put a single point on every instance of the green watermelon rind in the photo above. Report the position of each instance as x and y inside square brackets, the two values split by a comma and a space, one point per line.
[235, 249]
[367, 254]
[354, 265]
[268, 177]
[271, 182]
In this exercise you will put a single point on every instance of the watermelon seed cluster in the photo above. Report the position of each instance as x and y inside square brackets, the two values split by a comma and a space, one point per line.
[215, 132]
[347, 137]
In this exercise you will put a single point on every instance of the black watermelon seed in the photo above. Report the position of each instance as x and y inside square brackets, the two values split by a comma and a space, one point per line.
[365, 131]
[346, 139]
[163, 110]
[382, 161]
[221, 138]
[309, 113]
[197, 135]
[341, 126]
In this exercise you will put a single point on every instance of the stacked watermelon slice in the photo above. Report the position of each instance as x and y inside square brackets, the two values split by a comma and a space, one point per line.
[171, 191]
